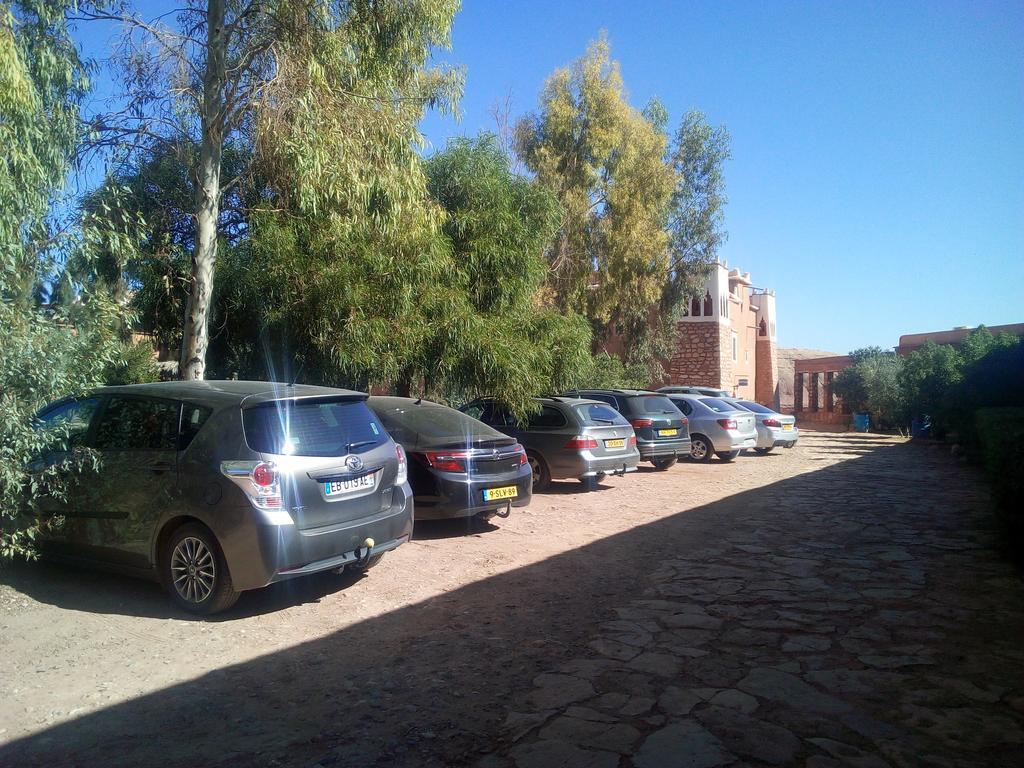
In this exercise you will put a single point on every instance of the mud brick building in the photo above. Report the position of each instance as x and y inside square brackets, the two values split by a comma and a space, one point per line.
[728, 339]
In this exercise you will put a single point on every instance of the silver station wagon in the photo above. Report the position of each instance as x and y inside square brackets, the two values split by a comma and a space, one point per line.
[215, 487]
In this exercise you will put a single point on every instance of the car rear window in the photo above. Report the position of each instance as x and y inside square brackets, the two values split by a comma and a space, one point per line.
[312, 428]
[595, 415]
[418, 424]
[718, 406]
[755, 407]
[652, 404]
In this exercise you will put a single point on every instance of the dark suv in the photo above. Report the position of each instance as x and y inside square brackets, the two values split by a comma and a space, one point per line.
[662, 431]
[215, 487]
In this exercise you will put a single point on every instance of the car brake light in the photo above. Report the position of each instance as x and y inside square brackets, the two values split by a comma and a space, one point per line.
[446, 461]
[580, 442]
[632, 440]
[727, 423]
[642, 422]
[772, 423]
[403, 466]
[264, 475]
[522, 454]
[261, 484]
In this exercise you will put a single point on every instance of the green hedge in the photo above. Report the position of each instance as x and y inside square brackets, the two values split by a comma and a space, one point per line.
[1000, 434]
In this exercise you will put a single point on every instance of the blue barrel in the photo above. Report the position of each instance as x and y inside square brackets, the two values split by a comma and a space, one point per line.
[861, 422]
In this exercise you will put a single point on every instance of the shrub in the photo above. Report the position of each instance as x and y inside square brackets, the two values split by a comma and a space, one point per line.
[1001, 441]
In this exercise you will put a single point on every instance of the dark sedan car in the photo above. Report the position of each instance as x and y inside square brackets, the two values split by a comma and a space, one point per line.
[214, 487]
[458, 466]
[662, 431]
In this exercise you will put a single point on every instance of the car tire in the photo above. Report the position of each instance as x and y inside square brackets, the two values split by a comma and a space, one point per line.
[541, 475]
[728, 455]
[763, 451]
[661, 464]
[600, 476]
[701, 448]
[194, 573]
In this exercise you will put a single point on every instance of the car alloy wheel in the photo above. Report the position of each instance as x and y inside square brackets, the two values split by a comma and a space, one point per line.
[699, 450]
[193, 570]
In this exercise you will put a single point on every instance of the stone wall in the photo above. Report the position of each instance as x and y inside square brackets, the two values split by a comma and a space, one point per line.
[766, 376]
[703, 356]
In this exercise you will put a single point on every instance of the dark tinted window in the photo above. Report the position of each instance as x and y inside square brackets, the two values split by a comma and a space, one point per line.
[648, 404]
[138, 424]
[718, 406]
[755, 407]
[69, 421]
[312, 428]
[599, 415]
[603, 398]
[547, 417]
[475, 410]
[432, 424]
[192, 419]
[683, 406]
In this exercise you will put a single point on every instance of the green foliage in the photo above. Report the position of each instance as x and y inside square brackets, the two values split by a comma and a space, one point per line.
[1001, 438]
[872, 384]
[610, 372]
[605, 161]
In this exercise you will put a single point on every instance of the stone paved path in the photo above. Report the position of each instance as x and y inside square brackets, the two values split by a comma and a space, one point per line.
[854, 616]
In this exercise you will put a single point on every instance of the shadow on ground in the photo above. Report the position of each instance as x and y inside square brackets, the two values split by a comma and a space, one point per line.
[437, 690]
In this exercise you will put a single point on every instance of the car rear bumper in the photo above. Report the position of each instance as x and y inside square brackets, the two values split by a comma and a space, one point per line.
[455, 496]
[658, 449]
[772, 438]
[261, 554]
[729, 440]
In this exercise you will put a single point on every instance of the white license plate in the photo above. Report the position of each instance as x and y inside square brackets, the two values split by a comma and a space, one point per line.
[341, 487]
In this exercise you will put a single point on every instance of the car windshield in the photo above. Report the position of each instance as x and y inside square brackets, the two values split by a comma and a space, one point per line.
[718, 406]
[755, 407]
[312, 428]
[416, 425]
[653, 404]
[597, 414]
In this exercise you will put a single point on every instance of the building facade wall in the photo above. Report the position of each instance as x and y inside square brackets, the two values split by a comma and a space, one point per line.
[698, 356]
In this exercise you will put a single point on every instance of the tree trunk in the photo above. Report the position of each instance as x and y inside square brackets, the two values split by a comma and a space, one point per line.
[207, 201]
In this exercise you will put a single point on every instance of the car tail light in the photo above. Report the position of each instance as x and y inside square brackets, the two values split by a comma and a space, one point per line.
[522, 454]
[580, 442]
[727, 423]
[642, 422]
[684, 420]
[772, 423]
[403, 465]
[261, 483]
[632, 440]
[446, 461]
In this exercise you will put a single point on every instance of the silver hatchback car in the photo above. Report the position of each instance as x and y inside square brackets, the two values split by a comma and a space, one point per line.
[567, 438]
[215, 487]
[716, 427]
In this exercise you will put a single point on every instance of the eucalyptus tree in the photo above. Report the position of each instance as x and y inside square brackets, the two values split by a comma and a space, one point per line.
[315, 87]
[605, 162]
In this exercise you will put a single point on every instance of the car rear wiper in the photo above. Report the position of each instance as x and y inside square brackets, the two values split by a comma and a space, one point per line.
[350, 446]
[603, 421]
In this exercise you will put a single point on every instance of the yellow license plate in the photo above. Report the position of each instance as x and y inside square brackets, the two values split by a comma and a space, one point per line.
[668, 432]
[620, 443]
[787, 427]
[508, 492]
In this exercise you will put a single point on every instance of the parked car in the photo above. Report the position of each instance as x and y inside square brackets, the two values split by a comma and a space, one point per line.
[662, 432]
[773, 429]
[567, 438]
[458, 466]
[716, 427]
[681, 389]
[216, 487]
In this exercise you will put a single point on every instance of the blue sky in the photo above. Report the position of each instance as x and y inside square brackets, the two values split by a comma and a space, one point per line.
[877, 179]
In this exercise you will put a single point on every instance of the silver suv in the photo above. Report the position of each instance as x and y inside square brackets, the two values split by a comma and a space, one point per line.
[215, 487]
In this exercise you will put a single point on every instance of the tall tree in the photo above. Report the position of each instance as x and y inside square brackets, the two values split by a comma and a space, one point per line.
[280, 71]
[604, 161]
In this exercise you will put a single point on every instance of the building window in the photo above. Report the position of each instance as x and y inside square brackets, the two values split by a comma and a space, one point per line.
[709, 306]
[762, 329]
[735, 348]
[695, 307]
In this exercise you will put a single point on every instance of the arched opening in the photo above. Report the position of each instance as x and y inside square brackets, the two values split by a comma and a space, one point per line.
[763, 328]
[695, 307]
[709, 307]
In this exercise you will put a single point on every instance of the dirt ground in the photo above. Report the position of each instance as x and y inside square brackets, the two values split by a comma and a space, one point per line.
[414, 664]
